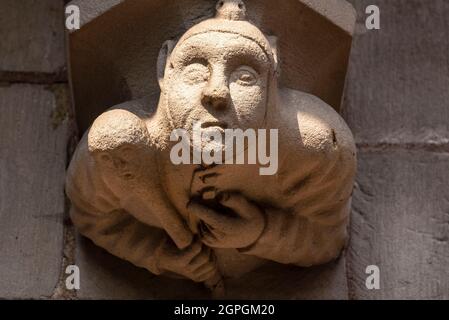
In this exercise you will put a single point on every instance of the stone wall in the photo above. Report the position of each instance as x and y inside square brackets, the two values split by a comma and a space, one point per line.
[35, 134]
[397, 106]
[395, 102]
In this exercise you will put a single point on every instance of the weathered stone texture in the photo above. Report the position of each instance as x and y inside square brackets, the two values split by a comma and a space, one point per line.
[104, 276]
[93, 9]
[32, 170]
[107, 277]
[149, 195]
[32, 36]
[398, 77]
[119, 39]
[276, 281]
[400, 223]
[396, 99]
[396, 105]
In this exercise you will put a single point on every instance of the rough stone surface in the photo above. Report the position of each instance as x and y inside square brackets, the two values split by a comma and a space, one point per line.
[215, 221]
[337, 11]
[396, 105]
[104, 276]
[32, 171]
[400, 223]
[32, 36]
[121, 46]
[398, 76]
[93, 9]
[275, 281]
[396, 100]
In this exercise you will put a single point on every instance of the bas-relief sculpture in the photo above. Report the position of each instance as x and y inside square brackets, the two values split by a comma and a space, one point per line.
[209, 222]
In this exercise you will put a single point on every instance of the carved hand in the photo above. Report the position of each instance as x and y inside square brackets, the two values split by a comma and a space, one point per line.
[237, 224]
[196, 262]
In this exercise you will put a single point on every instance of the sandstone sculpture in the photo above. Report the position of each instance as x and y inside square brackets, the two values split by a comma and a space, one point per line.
[190, 220]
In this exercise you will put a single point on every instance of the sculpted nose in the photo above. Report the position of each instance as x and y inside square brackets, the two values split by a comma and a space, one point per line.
[216, 95]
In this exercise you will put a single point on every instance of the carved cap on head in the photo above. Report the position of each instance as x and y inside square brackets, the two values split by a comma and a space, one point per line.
[231, 18]
[231, 10]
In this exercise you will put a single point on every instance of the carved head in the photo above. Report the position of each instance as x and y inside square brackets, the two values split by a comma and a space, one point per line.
[219, 72]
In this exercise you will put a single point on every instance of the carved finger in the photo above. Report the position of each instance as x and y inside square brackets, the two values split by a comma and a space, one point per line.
[192, 251]
[201, 259]
[205, 272]
[205, 268]
[239, 204]
[211, 217]
[210, 239]
[203, 179]
[206, 229]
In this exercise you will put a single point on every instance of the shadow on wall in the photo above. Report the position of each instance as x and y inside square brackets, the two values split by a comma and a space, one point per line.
[106, 276]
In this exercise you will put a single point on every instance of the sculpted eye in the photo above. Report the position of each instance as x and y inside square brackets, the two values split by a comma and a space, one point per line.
[196, 73]
[245, 76]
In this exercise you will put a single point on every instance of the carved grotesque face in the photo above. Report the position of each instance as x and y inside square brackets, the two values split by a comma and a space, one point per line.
[219, 79]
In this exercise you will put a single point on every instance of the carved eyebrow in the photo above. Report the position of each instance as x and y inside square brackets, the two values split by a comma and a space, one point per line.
[193, 60]
[247, 58]
[252, 55]
[195, 54]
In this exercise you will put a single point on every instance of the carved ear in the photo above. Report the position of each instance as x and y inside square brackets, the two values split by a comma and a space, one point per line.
[164, 56]
[117, 161]
[273, 40]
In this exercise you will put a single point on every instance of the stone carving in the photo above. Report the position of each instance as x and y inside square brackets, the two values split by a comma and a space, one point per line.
[207, 222]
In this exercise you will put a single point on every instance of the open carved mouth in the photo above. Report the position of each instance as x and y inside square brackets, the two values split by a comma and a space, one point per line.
[210, 124]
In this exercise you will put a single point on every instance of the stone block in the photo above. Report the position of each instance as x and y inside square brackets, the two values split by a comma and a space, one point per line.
[32, 38]
[398, 76]
[400, 222]
[33, 135]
